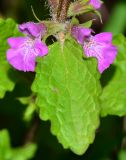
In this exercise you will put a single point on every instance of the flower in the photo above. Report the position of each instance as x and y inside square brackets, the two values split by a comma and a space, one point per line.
[80, 33]
[99, 46]
[24, 50]
[95, 3]
[33, 29]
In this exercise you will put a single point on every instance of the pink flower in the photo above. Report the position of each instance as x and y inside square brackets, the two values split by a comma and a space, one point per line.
[99, 46]
[80, 33]
[33, 29]
[24, 50]
[95, 3]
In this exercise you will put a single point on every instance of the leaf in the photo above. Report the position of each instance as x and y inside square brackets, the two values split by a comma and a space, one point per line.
[118, 13]
[24, 153]
[4, 145]
[8, 28]
[31, 107]
[74, 21]
[79, 7]
[87, 24]
[67, 90]
[113, 99]
[122, 155]
[8, 153]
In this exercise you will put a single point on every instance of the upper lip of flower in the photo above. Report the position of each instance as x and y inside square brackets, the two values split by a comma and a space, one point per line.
[33, 29]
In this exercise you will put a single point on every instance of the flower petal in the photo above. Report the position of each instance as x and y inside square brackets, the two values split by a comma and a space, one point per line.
[102, 49]
[23, 56]
[108, 56]
[80, 33]
[105, 37]
[34, 29]
[95, 3]
[41, 48]
[18, 61]
[15, 42]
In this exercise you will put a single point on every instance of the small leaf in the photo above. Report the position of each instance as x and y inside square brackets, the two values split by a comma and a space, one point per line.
[113, 99]
[87, 24]
[24, 153]
[7, 153]
[4, 145]
[67, 90]
[31, 107]
[8, 28]
[25, 100]
[74, 21]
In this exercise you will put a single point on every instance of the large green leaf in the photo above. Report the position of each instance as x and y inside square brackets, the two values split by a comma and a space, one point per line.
[8, 28]
[7, 153]
[113, 99]
[68, 88]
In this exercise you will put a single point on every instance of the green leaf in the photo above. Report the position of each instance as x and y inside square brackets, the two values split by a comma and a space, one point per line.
[31, 107]
[7, 153]
[8, 28]
[87, 24]
[118, 13]
[122, 155]
[24, 153]
[113, 99]
[4, 145]
[67, 90]
[74, 21]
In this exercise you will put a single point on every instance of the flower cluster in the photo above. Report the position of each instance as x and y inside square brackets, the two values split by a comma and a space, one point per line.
[99, 46]
[24, 50]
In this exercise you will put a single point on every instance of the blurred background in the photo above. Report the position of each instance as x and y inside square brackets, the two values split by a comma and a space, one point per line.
[110, 136]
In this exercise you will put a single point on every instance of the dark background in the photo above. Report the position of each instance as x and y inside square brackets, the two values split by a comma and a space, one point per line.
[109, 136]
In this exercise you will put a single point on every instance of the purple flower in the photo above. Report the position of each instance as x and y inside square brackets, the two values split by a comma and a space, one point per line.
[99, 46]
[80, 33]
[33, 29]
[24, 50]
[95, 3]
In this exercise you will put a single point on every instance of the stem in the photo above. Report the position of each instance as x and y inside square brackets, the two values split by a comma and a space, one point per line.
[54, 7]
[59, 8]
[123, 146]
[31, 133]
[64, 5]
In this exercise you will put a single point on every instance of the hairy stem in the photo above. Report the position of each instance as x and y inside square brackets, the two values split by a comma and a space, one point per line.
[59, 8]
[54, 7]
[63, 6]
